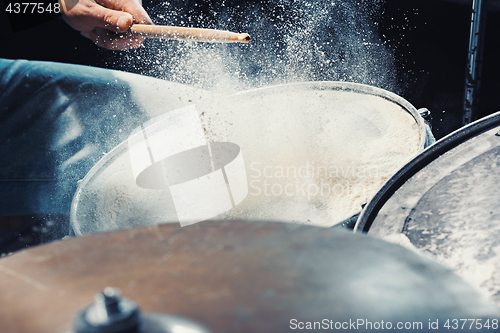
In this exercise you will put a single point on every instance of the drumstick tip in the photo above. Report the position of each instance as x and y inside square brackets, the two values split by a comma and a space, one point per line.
[244, 38]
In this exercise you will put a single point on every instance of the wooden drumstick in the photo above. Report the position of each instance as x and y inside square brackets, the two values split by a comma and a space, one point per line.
[193, 34]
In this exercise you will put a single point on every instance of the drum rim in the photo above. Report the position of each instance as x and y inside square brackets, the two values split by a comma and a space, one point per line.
[349, 87]
[433, 152]
[313, 85]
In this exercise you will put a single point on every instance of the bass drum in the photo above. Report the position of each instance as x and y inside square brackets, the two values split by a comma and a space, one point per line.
[445, 202]
[307, 153]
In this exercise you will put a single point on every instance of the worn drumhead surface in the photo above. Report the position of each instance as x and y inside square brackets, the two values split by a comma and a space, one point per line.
[233, 277]
[313, 153]
[449, 205]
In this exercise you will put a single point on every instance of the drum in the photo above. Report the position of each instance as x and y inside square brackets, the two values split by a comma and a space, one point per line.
[308, 153]
[232, 276]
[444, 203]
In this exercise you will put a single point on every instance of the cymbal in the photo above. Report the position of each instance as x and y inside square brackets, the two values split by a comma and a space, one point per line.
[233, 276]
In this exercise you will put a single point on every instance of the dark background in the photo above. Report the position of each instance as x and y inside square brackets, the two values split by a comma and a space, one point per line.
[429, 40]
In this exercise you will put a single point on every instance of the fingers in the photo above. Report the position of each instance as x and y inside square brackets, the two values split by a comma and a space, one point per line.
[87, 15]
[138, 12]
[134, 7]
[113, 20]
[106, 22]
[107, 39]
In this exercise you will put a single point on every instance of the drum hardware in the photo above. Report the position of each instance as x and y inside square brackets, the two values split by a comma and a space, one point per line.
[475, 59]
[426, 114]
[112, 313]
[350, 223]
[109, 313]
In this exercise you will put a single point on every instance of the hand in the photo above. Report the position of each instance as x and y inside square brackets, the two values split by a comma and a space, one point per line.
[106, 22]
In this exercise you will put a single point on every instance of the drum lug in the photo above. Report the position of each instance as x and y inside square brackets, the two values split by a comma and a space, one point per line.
[426, 115]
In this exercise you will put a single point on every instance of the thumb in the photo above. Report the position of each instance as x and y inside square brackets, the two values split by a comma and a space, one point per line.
[113, 20]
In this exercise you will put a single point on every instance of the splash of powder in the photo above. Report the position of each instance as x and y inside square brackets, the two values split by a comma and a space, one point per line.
[292, 41]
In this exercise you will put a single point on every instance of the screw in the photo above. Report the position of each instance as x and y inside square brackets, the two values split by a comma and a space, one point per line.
[107, 303]
[109, 313]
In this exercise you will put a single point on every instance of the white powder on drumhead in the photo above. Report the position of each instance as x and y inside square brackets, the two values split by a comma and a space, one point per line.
[312, 156]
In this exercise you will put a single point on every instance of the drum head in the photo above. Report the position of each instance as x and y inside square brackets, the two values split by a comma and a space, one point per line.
[235, 277]
[446, 203]
[308, 153]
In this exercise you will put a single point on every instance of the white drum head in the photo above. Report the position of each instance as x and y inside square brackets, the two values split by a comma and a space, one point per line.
[312, 153]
